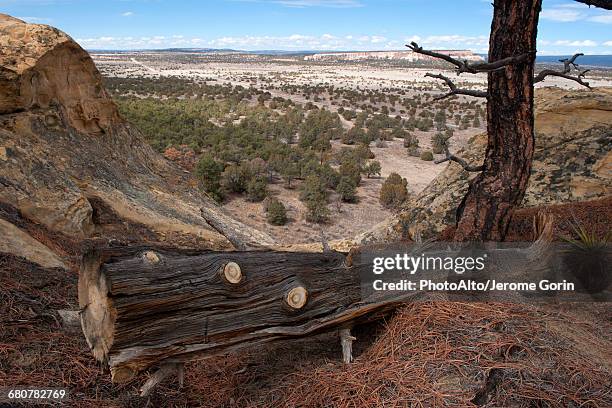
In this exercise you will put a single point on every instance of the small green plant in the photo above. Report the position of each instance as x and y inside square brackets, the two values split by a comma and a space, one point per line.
[585, 239]
[427, 155]
[587, 258]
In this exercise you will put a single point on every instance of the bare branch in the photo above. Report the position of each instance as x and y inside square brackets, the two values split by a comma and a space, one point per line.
[568, 63]
[605, 4]
[472, 68]
[453, 88]
[460, 161]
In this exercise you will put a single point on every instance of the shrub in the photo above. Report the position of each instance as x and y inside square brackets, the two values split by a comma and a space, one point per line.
[317, 211]
[427, 155]
[347, 190]
[354, 135]
[208, 172]
[439, 142]
[234, 178]
[372, 168]
[276, 214]
[393, 192]
[313, 189]
[413, 151]
[257, 189]
[350, 169]
[381, 143]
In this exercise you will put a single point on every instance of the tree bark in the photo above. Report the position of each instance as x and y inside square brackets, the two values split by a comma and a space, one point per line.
[485, 211]
[143, 306]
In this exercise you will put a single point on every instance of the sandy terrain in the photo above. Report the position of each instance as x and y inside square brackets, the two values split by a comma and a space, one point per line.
[349, 76]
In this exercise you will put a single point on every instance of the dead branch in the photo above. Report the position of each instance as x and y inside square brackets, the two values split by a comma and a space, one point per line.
[472, 68]
[460, 161]
[568, 64]
[605, 4]
[164, 371]
[346, 340]
[453, 88]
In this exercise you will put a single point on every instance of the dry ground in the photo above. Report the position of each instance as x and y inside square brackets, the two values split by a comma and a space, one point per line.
[434, 353]
[346, 220]
[428, 354]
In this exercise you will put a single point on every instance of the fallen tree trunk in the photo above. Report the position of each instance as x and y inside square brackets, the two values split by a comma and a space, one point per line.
[141, 306]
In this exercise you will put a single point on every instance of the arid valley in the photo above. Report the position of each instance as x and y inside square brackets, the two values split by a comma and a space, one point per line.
[398, 89]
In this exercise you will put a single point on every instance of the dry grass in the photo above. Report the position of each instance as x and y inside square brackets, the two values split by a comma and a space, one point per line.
[428, 354]
[459, 354]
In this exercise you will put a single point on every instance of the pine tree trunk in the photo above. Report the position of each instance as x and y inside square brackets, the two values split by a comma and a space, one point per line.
[485, 211]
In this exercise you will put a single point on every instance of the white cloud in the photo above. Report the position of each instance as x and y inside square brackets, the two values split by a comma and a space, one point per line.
[576, 43]
[377, 39]
[561, 15]
[127, 14]
[566, 13]
[311, 3]
[290, 42]
[331, 42]
[602, 18]
[452, 41]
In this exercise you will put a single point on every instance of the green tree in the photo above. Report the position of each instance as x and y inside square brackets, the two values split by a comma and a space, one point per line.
[394, 192]
[314, 188]
[350, 168]
[319, 124]
[372, 168]
[347, 190]
[234, 178]
[208, 172]
[316, 211]
[276, 213]
[257, 188]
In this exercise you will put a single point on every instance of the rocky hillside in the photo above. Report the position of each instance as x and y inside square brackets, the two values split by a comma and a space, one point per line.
[70, 164]
[572, 162]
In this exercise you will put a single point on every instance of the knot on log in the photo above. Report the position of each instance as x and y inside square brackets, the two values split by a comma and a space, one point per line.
[151, 257]
[232, 272]
[297, 297]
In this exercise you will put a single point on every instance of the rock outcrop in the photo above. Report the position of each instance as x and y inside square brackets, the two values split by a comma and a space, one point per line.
[572, 162]
[68, 160]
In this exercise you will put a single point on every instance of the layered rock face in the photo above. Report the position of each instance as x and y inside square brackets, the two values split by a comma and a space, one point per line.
[68, 160]
[572, 162]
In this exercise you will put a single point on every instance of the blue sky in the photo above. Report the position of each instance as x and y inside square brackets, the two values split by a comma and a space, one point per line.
[565, 26]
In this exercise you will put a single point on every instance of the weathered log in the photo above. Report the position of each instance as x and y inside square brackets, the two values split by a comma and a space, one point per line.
[142, 306]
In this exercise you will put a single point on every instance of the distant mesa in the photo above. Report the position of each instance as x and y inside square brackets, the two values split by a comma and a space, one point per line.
[410, 56]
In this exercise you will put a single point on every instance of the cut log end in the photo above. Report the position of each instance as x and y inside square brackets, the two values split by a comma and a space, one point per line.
[232, 273]
[297, 297]
[96, 309]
